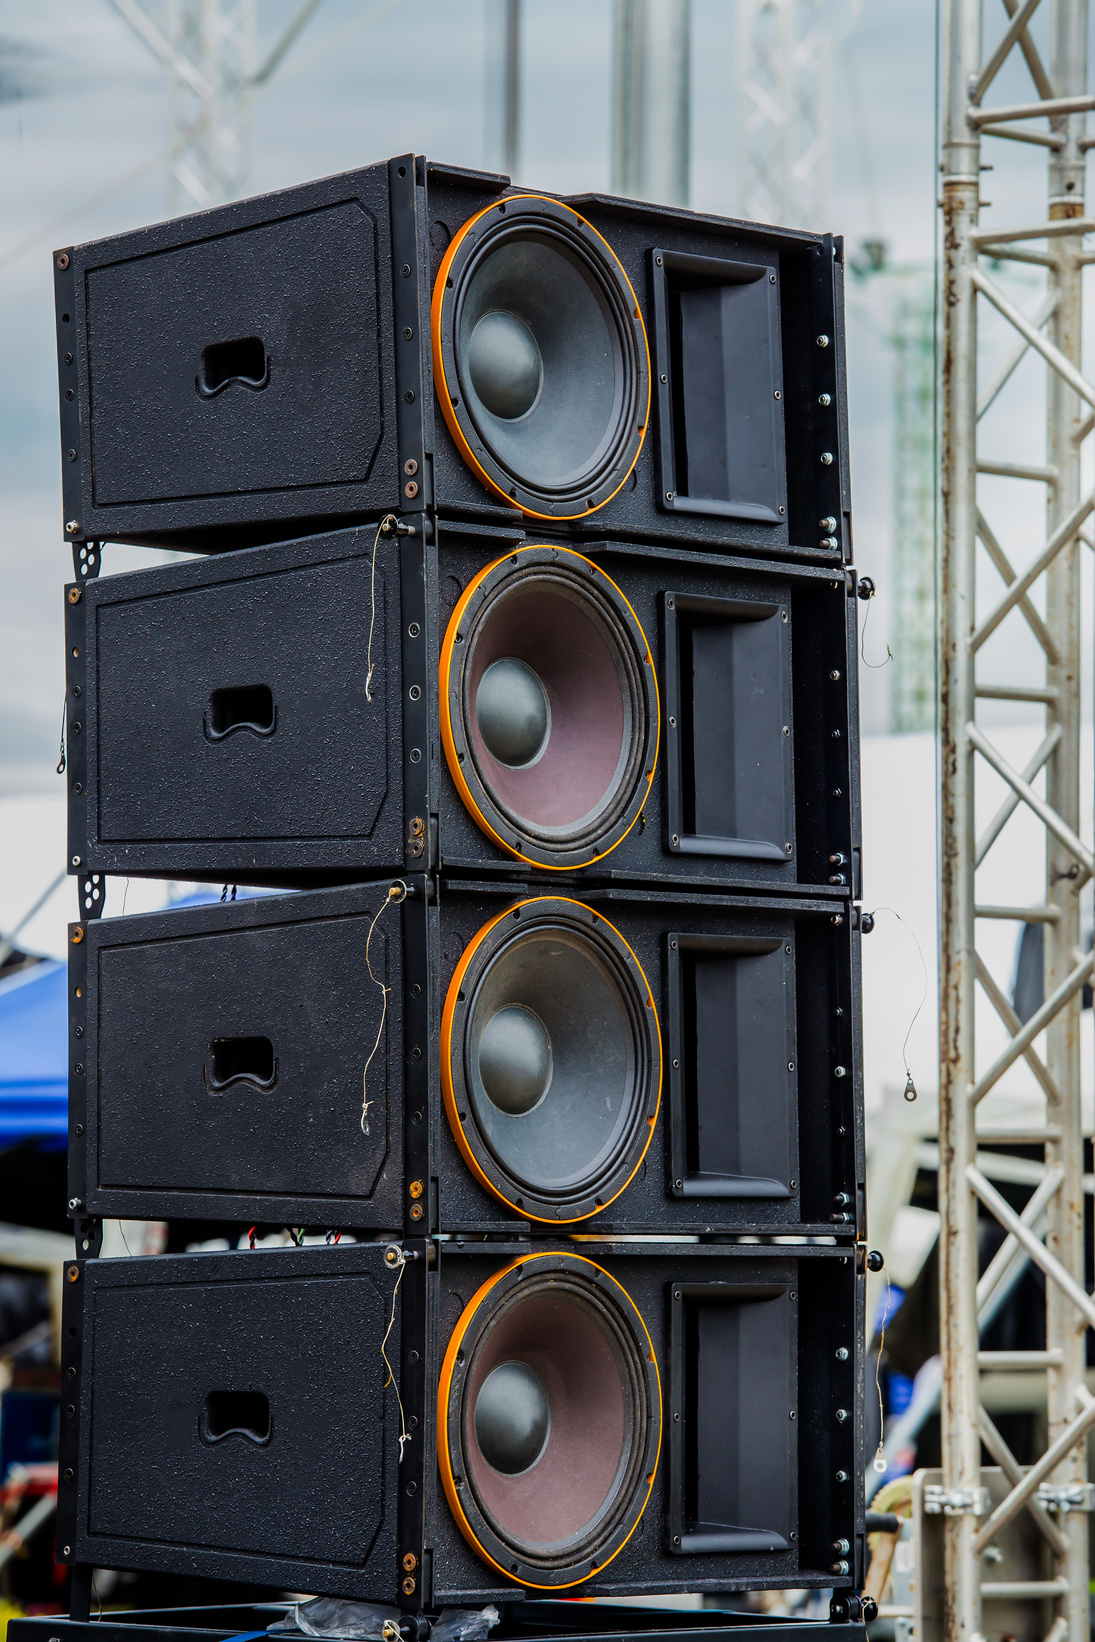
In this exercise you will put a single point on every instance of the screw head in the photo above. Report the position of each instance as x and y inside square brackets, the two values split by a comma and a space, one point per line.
[823, 341]
[416, 1188]
[72, 526]
[74, 595]
[73, 1274]
[842, 1354]
[410, 1562]
[76, 860]
[826, 458]
[835, 675]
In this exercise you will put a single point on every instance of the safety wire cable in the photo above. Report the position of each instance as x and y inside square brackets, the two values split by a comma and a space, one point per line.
[396, 1257]
[396, 893]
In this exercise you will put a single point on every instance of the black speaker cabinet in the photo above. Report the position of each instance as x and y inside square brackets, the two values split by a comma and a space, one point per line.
[410, 336]
[461, 1423]
[348, 704]
[488, 1060]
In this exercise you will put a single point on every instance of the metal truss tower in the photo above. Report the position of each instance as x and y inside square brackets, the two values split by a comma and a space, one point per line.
[208, 49]
[983, 593]
[912, 339]
[783, 111]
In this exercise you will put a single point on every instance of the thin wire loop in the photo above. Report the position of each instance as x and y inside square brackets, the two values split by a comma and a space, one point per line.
[396, 893]
[880, 1453]
[387, 523]
[874, 665]
[910, 1086]
[404, 1434]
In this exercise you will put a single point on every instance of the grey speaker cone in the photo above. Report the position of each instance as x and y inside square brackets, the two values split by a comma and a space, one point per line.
[554, 1059]
[545, 372]
[515, 1061]
[505, 365]
[513, 713]
[512, 1418]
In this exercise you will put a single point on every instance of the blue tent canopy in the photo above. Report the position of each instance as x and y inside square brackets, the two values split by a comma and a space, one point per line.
[33, 1057]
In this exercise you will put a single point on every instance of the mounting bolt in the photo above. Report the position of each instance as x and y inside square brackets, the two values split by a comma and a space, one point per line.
[73, 1274]
[77, 860]
[866, 922]
[841, 1416]
[410, 1563]
[865, 588]
[826, 458]
[840, 1071]
[75, 1203]
[875, 1260]
[74, 595]
[72, 526]
[841, 1547]
[823, 341]
[828, 523]
[835, 675]
[408, 1586]
[416, 1188]
[62, 263]
[842, 1354]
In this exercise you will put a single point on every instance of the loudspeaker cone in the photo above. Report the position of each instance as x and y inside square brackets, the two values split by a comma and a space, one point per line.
[549, 707]
[549, 1415]
[551, 1059]
[540, 357]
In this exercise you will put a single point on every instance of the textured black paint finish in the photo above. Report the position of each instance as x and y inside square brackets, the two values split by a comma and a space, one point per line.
[159, 457]
[168, 994]
[156, 1486]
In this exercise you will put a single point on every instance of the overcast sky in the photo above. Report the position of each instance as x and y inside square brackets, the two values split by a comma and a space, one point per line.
[84, 102]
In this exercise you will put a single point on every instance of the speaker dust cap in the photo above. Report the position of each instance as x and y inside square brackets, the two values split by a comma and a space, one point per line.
[540, 357]
[549, 707]
[549, 1420]
[551, 1060]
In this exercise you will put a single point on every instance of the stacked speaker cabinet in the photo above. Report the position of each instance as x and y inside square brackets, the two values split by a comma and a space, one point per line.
[514, 655]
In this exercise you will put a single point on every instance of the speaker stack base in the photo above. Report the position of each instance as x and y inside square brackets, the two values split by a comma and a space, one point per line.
[515, 661]
[522, 1622]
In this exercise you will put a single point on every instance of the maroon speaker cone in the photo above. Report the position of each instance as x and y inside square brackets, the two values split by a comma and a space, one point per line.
[551, 1413]
[552, 705]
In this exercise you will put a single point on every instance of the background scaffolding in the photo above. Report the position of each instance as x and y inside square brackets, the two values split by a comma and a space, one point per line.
[986, 603]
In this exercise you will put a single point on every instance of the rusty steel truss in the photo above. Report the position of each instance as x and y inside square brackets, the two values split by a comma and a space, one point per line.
[982, 42]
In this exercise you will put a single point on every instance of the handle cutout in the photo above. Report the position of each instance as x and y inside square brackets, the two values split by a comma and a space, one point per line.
[246, 707]
[236, 1414]
[244, 361]
[240, 1060]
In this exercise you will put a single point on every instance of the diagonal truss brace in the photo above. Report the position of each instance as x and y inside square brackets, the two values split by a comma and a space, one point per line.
[1045, 813]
